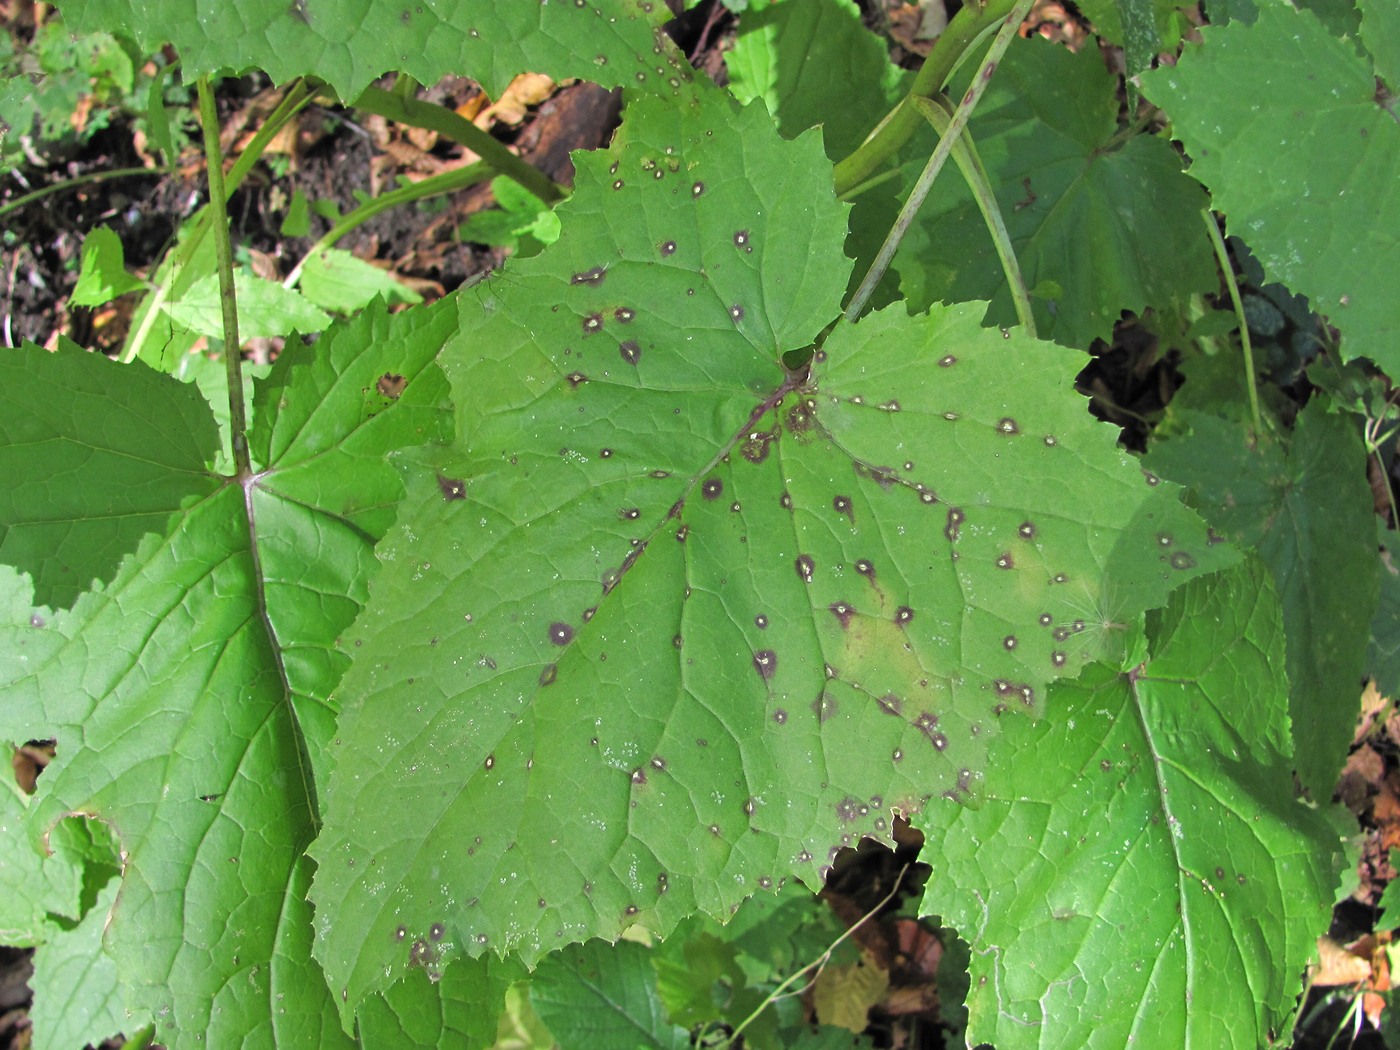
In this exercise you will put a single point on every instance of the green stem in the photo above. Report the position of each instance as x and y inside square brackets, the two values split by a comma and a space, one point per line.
[970, 164]
[79, 180]
[456, 127]
[447, 182]
[959, 39]
[819, 962]
[169, 273]
[223, 250]
[935, 163]
[1223, 258]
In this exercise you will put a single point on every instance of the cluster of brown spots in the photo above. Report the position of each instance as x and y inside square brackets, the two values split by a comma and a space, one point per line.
[926, 494]
[848, 809]
[422, 954]
[593, 276]
[927, 723]
[798, 418]
[954, 527]
[885, 477]
[452, 488]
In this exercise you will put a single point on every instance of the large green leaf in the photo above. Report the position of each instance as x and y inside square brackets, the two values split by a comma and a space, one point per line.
[814, 63]
[92, 463]
[77, 995]
[1100, 222]
[604, 997]
[190, 696]
[347, 43]
[1304, 505]
[669, 622]
[1141, 872]
[1303, 163]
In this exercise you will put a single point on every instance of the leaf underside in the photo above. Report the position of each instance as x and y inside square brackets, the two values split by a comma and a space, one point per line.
[668, 623]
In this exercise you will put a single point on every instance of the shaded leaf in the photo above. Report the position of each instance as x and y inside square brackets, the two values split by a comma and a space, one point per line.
[1146, 833]
[1304, 506]
[265, 308]
[191, 697]
[1080, 202]
[603, 996]
[1302, 164]
[95, 455]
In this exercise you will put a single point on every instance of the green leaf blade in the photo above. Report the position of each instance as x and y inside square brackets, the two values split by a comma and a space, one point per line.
[96, 455]
[1193, 878]
[348, 44]
[669, 623]
[1296, 160]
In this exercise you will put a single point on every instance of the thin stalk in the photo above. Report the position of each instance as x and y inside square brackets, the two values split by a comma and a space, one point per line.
[935, 163]
[456, 127]
[295, 100]
[960, 38]
[76, 181]
[447, 182]
[970, 164]
[1223, 258]
[223, 250]
[819, 962]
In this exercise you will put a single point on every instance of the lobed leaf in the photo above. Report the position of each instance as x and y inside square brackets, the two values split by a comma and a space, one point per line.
[189, 697]
[95, 456]
[1303, 162]
[1100, 223]
[670, 622]
[1304, 506]
[348, 43]
[1141, 871]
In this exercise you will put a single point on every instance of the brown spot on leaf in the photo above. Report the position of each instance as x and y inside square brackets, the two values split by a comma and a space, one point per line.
[391, 385]
[842, 505]
[712, 488]
[593, 276]
[843, 613]
[630, 350]
[765, 662]
[805, 567]
[452, 488]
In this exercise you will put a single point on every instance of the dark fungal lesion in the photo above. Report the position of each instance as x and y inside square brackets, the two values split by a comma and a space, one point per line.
[452, 488]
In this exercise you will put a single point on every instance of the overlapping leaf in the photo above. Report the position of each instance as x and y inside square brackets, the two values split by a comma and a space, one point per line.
[1302, 163]
[1100, 223]
[669, 622]
[1142, 872]
[347, 43]
[91, 466]
[189, 697]
[1303, 504]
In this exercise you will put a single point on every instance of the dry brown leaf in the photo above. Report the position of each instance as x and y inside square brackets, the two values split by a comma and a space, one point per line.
[526, 90]
[1338, 966]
